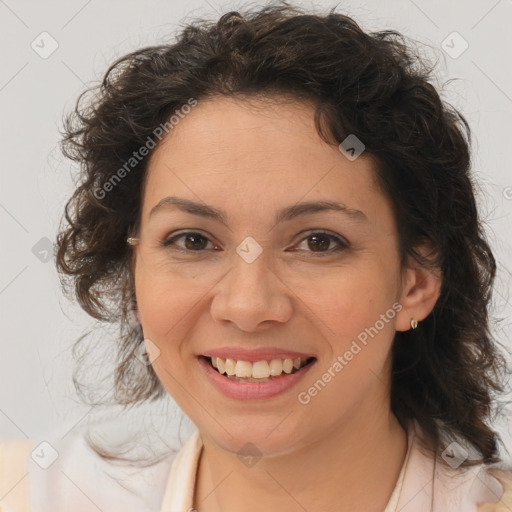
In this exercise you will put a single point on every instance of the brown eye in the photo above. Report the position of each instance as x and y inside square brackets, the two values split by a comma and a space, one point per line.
[195, 242]
[190, 241]
[322, 244]
[319, 242]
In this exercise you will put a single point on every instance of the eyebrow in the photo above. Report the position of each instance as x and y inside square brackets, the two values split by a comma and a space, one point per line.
[285, 214]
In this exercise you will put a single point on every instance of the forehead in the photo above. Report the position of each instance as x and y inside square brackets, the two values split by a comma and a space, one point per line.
[249, 153]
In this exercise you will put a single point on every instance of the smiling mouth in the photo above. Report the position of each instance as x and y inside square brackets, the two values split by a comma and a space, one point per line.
[258, 372]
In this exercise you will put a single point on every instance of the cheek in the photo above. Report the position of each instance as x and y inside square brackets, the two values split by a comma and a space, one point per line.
[349, 299]
[165, 303]
[356, 313]
[166, 311]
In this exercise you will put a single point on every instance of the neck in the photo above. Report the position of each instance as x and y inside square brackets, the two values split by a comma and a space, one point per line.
[353, 467]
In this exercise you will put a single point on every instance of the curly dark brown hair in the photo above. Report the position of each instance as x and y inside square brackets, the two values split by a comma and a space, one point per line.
[448, 373]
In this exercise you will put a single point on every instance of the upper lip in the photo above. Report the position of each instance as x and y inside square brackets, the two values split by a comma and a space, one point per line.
[253, 355]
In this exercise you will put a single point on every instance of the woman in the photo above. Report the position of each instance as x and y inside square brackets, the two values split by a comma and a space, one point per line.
[284, 205]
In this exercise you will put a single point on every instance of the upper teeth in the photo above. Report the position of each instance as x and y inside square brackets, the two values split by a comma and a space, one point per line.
[257, 370]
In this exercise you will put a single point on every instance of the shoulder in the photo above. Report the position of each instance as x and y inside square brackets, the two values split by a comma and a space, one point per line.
[504, 499]
[77, 478]
[443, 481]
[66, 473]
[14, 481]
[480, 488]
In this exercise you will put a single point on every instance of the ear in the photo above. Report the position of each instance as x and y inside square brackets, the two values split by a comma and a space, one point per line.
[421, 287]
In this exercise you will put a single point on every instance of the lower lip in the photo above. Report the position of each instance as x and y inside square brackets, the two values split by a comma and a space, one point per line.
[252, 390]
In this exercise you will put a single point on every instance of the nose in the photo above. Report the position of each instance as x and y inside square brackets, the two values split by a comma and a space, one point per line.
[251, 296]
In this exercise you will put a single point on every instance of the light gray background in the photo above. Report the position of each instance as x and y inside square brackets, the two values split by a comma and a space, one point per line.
[38, 324]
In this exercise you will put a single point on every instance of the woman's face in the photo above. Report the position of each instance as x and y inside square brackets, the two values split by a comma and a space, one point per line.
[265, 273]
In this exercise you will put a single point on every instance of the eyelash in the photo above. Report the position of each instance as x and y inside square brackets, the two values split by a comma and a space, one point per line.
[342, 243]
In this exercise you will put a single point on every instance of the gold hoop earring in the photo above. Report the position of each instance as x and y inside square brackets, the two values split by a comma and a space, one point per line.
[414, 323]
[132, 241]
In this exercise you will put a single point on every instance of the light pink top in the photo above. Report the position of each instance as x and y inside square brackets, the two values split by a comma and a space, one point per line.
[416, 490]
[80, 481]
